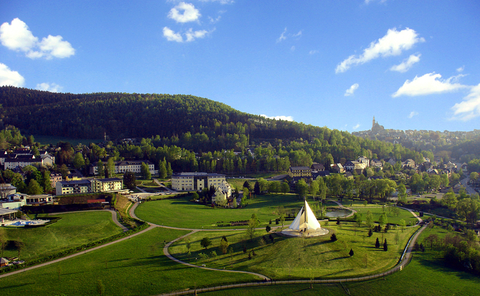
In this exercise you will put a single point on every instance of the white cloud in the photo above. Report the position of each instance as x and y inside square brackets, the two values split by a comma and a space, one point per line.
[51, 87]
[184, 13]
[298, 34]
[406, 64]
[427, 84]
[313, 52]
[172, 36]
[9, 77]
[413, 113]
[461, 69]
[470, 107]
[393, 43]
[16, 36]
[351, 90]
[356, 126]
[54, 46]
[282, 36]
[292, 48]
[192, 35]
[281, 117]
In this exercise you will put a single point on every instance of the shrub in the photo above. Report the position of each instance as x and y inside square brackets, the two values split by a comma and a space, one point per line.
[333, 237]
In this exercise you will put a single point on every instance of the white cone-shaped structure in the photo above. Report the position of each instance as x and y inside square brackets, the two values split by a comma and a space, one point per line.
[305, 220]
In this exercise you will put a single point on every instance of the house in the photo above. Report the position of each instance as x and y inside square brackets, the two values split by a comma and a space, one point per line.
[7, 214]
[300, 171]
[39, 199]
[6, 190]
[363, 160]
[54, 178]
[222, 193]
[198, 181]
[23, 157]
[356, 166]
[107, 184]
[317, 167]
[409, 163]
[20, 160]
[121, 167]
[73, 187]
[337, 168]
[391, 161]
[376, 163]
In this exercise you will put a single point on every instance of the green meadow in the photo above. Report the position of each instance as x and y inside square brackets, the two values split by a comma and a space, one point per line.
[298, 258]
[73, 229]
[135, 266]
[181, 212]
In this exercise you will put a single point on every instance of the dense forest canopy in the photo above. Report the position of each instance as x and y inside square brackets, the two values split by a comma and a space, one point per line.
[186, 121]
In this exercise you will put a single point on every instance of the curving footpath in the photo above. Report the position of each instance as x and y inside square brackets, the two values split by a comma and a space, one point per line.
[403, 261]
[76, 254]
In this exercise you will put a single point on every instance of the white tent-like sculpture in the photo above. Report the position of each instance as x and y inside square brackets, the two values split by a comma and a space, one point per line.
[305, 224]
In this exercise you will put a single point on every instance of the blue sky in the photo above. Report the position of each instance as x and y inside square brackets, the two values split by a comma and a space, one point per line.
[411, 64]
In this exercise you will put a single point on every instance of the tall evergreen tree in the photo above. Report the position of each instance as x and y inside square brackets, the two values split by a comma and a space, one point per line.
[100, 168]
[162, 169]
[145, 171]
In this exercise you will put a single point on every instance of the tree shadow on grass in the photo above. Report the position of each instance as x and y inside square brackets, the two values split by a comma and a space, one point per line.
[338, 272]
[17, 286]
[441, 266]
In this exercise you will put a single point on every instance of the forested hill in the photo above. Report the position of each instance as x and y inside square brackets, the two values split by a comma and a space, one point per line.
[187, 121]
[135, 115]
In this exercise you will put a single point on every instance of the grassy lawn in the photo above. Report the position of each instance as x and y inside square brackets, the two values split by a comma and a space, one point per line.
[298, 258]
[180, 212]
[72, 230]
[392, 218]
[425, 275]
[193, 215]
[136, 266]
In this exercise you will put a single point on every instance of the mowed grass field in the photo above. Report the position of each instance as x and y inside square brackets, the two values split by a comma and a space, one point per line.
[298, 258]
[425, 275]
[135, 266]
[181, 212]
[73, 229]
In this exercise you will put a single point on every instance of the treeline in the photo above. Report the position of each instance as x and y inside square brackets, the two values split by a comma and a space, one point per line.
[460, 250]
[189, 122]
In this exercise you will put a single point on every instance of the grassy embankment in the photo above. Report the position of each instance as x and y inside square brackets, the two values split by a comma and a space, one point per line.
[299, 258]
[73, 229]
[425, 275]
